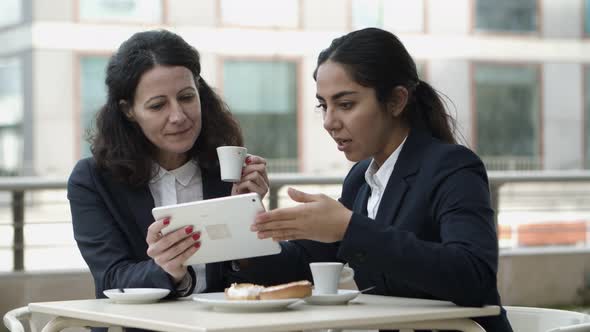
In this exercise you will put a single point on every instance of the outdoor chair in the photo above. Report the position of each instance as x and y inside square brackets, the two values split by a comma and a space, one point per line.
[13, 320]
[531, 319]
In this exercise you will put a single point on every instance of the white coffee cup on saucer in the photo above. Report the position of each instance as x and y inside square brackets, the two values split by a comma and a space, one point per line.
[231, 161]
[327, 276]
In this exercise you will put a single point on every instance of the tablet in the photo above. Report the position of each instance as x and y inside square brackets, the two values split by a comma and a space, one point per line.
[225, 227]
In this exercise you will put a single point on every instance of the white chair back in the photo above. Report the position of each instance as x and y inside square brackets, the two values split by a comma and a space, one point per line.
[530, 319]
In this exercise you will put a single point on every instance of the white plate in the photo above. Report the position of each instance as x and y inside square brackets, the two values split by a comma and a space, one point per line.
[136, 295]
[343, 296]
[219, 302]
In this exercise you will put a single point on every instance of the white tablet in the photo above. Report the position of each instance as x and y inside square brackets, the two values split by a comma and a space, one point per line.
[225, 227]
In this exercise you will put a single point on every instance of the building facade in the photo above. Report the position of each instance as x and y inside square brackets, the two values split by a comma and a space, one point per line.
[515, 73]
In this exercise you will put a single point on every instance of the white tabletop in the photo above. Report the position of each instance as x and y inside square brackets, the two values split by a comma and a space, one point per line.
[187, 315]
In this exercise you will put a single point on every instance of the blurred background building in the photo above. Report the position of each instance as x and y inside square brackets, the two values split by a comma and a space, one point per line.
[515, 71]
[516, 74]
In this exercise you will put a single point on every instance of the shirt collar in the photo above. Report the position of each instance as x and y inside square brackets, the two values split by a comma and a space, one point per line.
[379, 176]
[182, 174]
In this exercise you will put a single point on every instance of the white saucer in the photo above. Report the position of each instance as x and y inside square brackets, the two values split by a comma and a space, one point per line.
[343, 296]
[136, 295]
[218, 302]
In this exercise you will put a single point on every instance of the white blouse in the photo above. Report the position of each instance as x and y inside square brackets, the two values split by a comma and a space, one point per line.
[377, 178]
[181, 185]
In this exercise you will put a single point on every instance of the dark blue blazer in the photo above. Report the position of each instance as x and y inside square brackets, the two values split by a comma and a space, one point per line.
[433, 236]
[110, 222]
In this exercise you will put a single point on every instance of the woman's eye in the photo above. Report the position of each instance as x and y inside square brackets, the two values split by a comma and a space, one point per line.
[187, 97]
[157, 107]
[321, 107]
[346, 105]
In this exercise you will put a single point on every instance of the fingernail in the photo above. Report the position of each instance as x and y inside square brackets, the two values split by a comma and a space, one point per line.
[248, 160]
[253, 228]
[166, 221]
[197, 236]
[189, 229]
[197, 245]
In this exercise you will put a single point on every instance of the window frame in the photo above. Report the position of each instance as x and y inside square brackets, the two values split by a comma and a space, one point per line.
[221, 23]
[538, 67]
[20, 20]
[21, 61]
[298, 62]
[163, 20]
[585, 116]
[537, 33]
[423, 30]
[77, 114]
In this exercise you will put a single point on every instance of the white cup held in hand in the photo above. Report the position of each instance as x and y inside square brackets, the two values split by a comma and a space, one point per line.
[231, 160]
[327, 276]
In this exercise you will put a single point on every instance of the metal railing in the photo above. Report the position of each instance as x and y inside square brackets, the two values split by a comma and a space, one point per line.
[18, 186]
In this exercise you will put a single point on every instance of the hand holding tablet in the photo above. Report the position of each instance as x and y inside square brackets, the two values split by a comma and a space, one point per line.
[224, 224]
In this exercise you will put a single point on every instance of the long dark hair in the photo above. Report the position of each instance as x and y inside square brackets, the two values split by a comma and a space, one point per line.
[118, 145]
[377, 59]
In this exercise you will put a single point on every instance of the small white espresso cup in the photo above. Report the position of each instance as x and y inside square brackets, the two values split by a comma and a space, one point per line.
[327, 276]
[231, 160]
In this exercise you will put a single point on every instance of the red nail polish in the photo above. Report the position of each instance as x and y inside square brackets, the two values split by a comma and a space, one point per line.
[196, 236]
[248, 160]
[189, 229]
[198, 245]
[166, 221]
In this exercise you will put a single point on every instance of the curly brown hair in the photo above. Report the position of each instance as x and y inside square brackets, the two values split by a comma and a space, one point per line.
[118, 145]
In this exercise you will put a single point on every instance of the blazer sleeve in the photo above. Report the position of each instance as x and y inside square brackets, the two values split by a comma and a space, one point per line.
[109, 253]
[462, 266]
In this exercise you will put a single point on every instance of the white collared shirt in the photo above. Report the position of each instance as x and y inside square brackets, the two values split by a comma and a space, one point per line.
[180, 185]
[377, 178]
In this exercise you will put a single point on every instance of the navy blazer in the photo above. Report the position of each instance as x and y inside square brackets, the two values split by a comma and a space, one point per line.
[110, 222]
[434, 234]
[433, 237]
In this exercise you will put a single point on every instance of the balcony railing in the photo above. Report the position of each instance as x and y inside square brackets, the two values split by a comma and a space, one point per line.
[546, 196]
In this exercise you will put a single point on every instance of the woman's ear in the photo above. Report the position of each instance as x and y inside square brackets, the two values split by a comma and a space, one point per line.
[126, 108]
[399, 100]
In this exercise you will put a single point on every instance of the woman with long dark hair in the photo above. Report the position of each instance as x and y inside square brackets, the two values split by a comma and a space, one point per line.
[154, 144]
[414, 218]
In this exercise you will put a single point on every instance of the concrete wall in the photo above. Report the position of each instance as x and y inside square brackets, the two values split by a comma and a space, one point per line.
[563, 107]
[20, 289]
[56, 122]
[547, 279]
[562, 19]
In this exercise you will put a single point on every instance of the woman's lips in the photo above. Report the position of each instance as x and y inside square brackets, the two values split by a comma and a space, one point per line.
[343, 144]
[179, 132]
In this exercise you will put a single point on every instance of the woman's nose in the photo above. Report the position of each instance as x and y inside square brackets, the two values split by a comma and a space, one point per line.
[176, 113]
[330, 120]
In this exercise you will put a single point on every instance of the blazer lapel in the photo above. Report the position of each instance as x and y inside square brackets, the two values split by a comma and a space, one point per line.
[141, 203]
[407, 165]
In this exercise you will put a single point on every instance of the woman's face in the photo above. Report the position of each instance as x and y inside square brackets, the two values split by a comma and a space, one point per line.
[167, 107]
[361, 126]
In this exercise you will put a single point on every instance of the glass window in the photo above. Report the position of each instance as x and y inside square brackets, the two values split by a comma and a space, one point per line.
[260, 13]
[506, 15]
[11, 12]
[393, 15]
[93, 94]
[507, 105]
[367, 13]
[263, 96]
[143, 11]
[11, 116]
